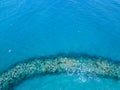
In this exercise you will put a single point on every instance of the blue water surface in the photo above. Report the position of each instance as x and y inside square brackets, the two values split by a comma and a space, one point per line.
[30, 28]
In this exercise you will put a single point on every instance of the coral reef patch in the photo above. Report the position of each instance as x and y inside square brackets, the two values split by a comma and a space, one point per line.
[62, 63]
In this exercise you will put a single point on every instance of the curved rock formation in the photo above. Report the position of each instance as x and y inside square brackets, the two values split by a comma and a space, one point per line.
[98, 66]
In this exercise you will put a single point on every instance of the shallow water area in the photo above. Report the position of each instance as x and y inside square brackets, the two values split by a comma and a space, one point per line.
[33, 28]
[69, 82]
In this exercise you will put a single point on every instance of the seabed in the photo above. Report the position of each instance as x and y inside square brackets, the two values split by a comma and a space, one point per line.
[56, 64]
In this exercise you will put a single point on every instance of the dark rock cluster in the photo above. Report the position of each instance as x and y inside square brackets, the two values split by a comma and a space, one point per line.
[100, 67]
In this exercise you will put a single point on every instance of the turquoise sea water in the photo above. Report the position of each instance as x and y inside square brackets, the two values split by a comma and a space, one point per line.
[30, 28]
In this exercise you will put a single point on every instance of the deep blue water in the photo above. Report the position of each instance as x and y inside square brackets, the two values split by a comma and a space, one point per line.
[30, 28]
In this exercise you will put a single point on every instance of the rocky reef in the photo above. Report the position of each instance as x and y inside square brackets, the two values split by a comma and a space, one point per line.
[57, 64]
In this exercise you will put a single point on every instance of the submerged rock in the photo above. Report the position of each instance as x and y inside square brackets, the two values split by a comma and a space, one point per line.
[98, 66]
